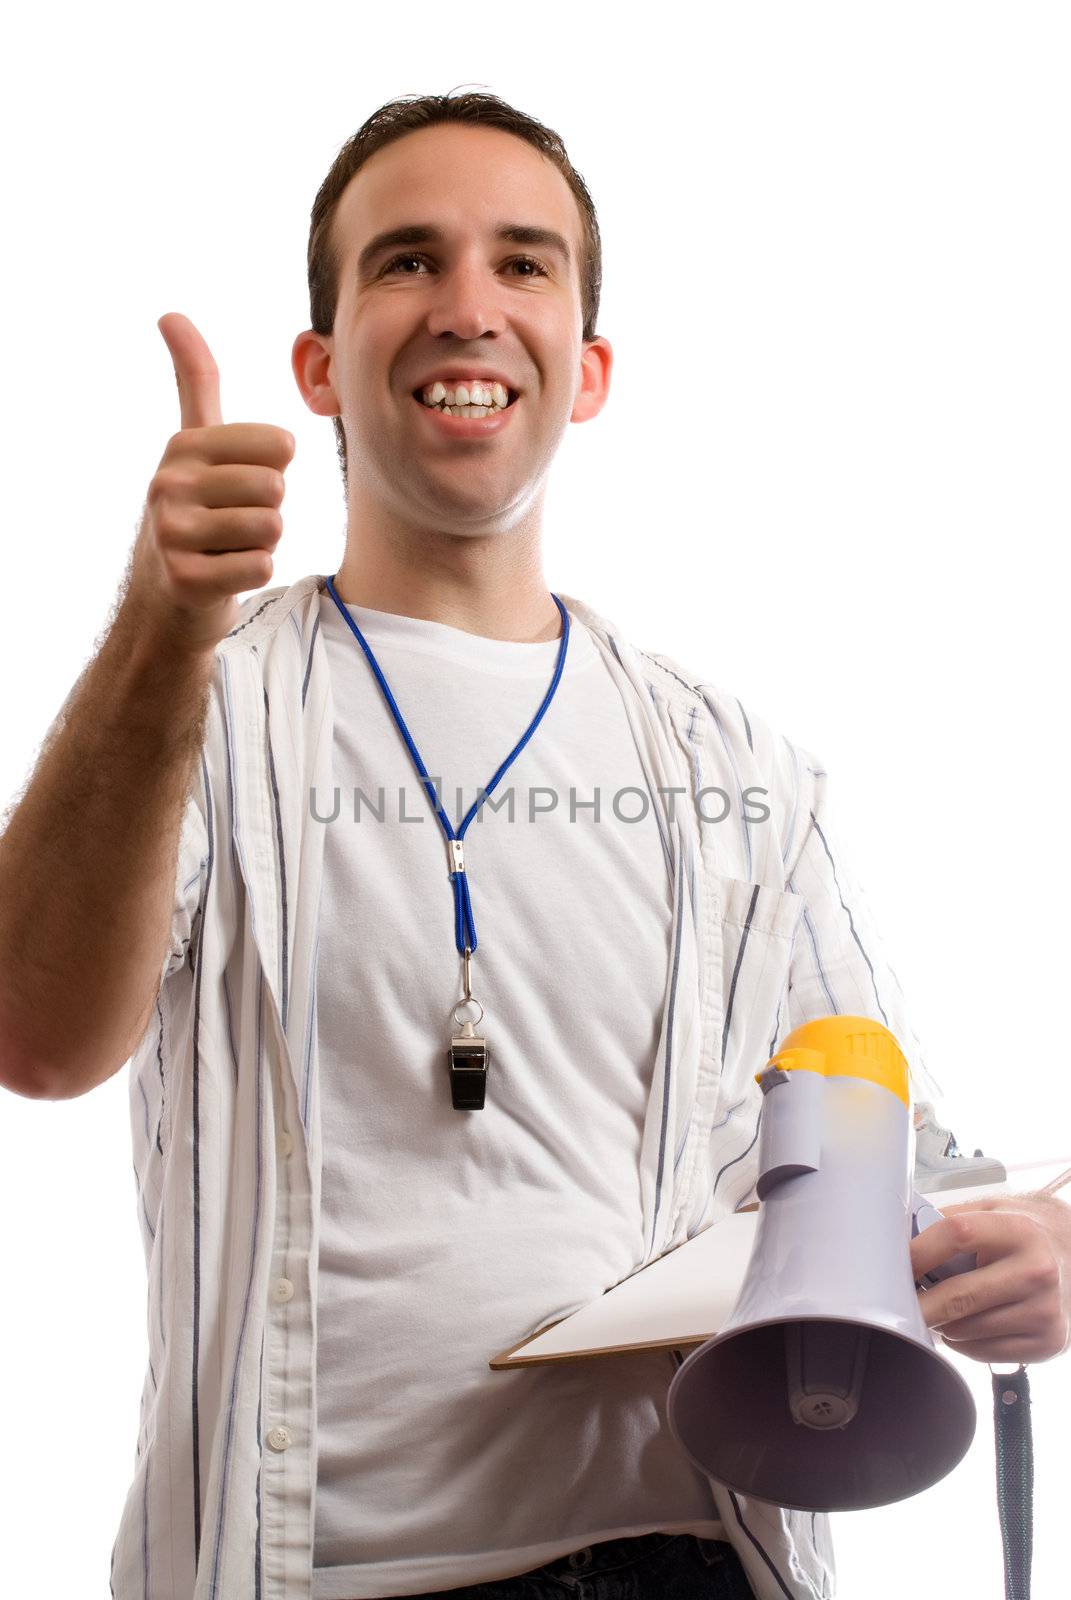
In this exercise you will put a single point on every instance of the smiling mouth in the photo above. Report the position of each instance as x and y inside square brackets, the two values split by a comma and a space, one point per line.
[488, 411]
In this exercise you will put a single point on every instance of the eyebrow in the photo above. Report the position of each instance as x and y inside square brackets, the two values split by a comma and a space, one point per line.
[427, 233]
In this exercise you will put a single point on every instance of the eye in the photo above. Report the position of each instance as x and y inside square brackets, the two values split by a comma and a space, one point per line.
[540, 270]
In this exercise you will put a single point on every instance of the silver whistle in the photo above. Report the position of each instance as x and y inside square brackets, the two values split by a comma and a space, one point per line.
[468, 1069]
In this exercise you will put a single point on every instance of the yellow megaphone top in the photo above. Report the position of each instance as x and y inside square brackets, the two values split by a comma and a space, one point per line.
[845, 1047]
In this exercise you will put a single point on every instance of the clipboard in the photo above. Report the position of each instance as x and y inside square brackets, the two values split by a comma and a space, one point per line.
[680, 1300]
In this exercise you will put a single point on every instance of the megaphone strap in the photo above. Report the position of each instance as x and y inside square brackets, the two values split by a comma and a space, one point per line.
[1015, 1478]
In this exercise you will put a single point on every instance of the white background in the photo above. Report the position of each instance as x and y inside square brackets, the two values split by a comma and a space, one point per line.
[836, 259]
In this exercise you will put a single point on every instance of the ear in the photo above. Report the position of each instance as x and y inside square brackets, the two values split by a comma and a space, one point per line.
[596, 364]
[311, 362]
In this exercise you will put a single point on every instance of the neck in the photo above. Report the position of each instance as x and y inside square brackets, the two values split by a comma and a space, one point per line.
[480, 591]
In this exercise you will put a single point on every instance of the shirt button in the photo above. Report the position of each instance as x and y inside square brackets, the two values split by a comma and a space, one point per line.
[279, 1438]
[282, 1289]
[285, 1142]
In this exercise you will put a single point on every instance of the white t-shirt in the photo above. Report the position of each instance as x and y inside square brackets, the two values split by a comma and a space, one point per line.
[448, 1236]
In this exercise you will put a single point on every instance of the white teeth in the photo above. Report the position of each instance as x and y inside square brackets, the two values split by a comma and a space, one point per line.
[490, 395]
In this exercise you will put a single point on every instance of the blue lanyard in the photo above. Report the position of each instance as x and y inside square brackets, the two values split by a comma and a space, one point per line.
[464, 925]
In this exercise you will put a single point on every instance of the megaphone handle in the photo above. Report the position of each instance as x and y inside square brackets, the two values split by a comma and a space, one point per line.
[1015, 1478]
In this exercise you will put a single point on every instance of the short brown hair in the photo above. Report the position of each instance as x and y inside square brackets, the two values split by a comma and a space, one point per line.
[392, 121]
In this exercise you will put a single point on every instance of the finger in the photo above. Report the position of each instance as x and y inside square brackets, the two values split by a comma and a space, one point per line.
[969, 1293]
[1018, 1319]
[1021, 1350]
[935, 1245]
[237, 485]
[244, 444]
[231, 529]
[962, 1233]
[196, 372]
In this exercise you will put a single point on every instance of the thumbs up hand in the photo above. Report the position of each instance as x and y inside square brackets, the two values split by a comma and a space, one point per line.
[212, 517]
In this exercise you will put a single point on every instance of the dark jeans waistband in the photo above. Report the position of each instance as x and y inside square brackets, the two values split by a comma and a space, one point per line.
[609, 1554]
[648, 1566]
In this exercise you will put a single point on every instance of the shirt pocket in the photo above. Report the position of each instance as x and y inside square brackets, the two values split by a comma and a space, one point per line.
[759, 930]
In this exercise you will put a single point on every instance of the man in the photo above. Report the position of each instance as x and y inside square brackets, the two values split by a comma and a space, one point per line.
[344, 1214]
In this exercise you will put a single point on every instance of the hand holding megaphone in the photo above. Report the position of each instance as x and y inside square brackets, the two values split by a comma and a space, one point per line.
[212, 518]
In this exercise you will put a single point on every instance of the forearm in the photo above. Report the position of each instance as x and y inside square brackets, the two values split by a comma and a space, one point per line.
[87, 863]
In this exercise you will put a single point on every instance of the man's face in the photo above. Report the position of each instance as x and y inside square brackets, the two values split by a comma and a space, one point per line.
[468, 296]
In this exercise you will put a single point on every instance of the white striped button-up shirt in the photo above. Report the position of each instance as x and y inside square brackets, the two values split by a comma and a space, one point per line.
[769, 930]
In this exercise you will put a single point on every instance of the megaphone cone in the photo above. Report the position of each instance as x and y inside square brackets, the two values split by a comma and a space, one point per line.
[824, 1391]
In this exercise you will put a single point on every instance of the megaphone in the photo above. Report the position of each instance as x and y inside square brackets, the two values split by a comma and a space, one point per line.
[825, 1390]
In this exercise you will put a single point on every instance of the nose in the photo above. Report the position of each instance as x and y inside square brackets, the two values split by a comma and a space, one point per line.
[466, 301]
